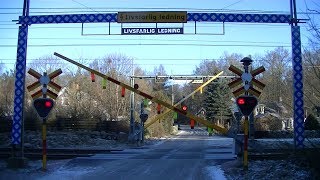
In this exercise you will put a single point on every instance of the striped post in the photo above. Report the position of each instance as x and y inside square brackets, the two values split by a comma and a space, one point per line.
[245, 144]
[44, 145]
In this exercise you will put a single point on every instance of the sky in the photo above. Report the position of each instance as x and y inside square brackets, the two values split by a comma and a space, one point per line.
[179, 54]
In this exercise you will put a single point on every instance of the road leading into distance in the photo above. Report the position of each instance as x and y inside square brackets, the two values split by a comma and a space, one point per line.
[192, 154]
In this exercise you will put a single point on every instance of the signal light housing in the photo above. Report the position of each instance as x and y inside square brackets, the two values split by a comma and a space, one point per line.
[43, 106]
[246, 104]
[143, 117]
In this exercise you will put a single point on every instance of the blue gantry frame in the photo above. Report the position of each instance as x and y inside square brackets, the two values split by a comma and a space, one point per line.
[199, 17]
[298, 87]
[112, 17]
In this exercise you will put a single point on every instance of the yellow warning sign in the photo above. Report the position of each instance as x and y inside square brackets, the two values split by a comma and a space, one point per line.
[153, 17]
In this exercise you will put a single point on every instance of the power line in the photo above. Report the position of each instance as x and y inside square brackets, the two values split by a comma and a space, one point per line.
[85, 6]
[140, 59]
[148, 44]
[231, 5]
[31, 63]
[135, 64]
[165, 40]
[201, 24]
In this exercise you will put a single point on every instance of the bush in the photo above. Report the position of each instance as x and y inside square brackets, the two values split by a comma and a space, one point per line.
[311, 123]
[267, 123]
[31, 120]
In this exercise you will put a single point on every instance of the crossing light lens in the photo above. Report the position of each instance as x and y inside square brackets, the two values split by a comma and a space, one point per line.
[48, 104]
[241, 101]
[184, 108]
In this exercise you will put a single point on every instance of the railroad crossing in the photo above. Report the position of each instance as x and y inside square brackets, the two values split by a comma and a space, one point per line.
[162, 17]
[158, 17]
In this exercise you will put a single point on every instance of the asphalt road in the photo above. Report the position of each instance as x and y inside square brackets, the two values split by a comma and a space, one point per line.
[192, 154]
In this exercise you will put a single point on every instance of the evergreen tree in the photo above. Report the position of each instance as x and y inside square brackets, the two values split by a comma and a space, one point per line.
[217, 102]
[311, 123]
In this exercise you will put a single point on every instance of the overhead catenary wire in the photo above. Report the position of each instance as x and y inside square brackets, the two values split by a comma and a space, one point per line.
[153, 39]
[142, 59]
[202, 24]
[148, 44]
[191, 9]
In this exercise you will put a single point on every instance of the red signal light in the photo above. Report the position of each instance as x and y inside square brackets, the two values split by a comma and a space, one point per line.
[184, 108]
[48, 104]
[246, 104]
[241, 101]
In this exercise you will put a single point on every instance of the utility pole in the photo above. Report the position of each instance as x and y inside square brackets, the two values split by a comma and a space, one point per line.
[44, 127]
[143, 118]
[132, 123]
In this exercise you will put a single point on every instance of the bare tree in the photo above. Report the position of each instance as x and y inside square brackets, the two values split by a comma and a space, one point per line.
[119, 67]
[313, 24]
[311, 67]
[311, 60]
[278, 78]
[6, 93]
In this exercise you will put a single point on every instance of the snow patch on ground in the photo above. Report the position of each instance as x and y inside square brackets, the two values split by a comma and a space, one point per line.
[215, 173]
[288, 143]
[73, 173]
[75, 140]
[267, 169]
[192, 132]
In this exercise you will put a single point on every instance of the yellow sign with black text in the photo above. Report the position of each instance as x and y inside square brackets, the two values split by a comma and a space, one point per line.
[153, 17]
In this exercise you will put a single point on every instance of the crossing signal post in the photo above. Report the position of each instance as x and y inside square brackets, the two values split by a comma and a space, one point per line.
[246, 103]
[44, 105]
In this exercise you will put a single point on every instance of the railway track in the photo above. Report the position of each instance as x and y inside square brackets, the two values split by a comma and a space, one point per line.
[54, 153]
[64, 153]
[268, 156]
[276, 154]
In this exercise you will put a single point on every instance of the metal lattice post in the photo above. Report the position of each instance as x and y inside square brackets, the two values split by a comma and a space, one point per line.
[19, 87]
[297, 88]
